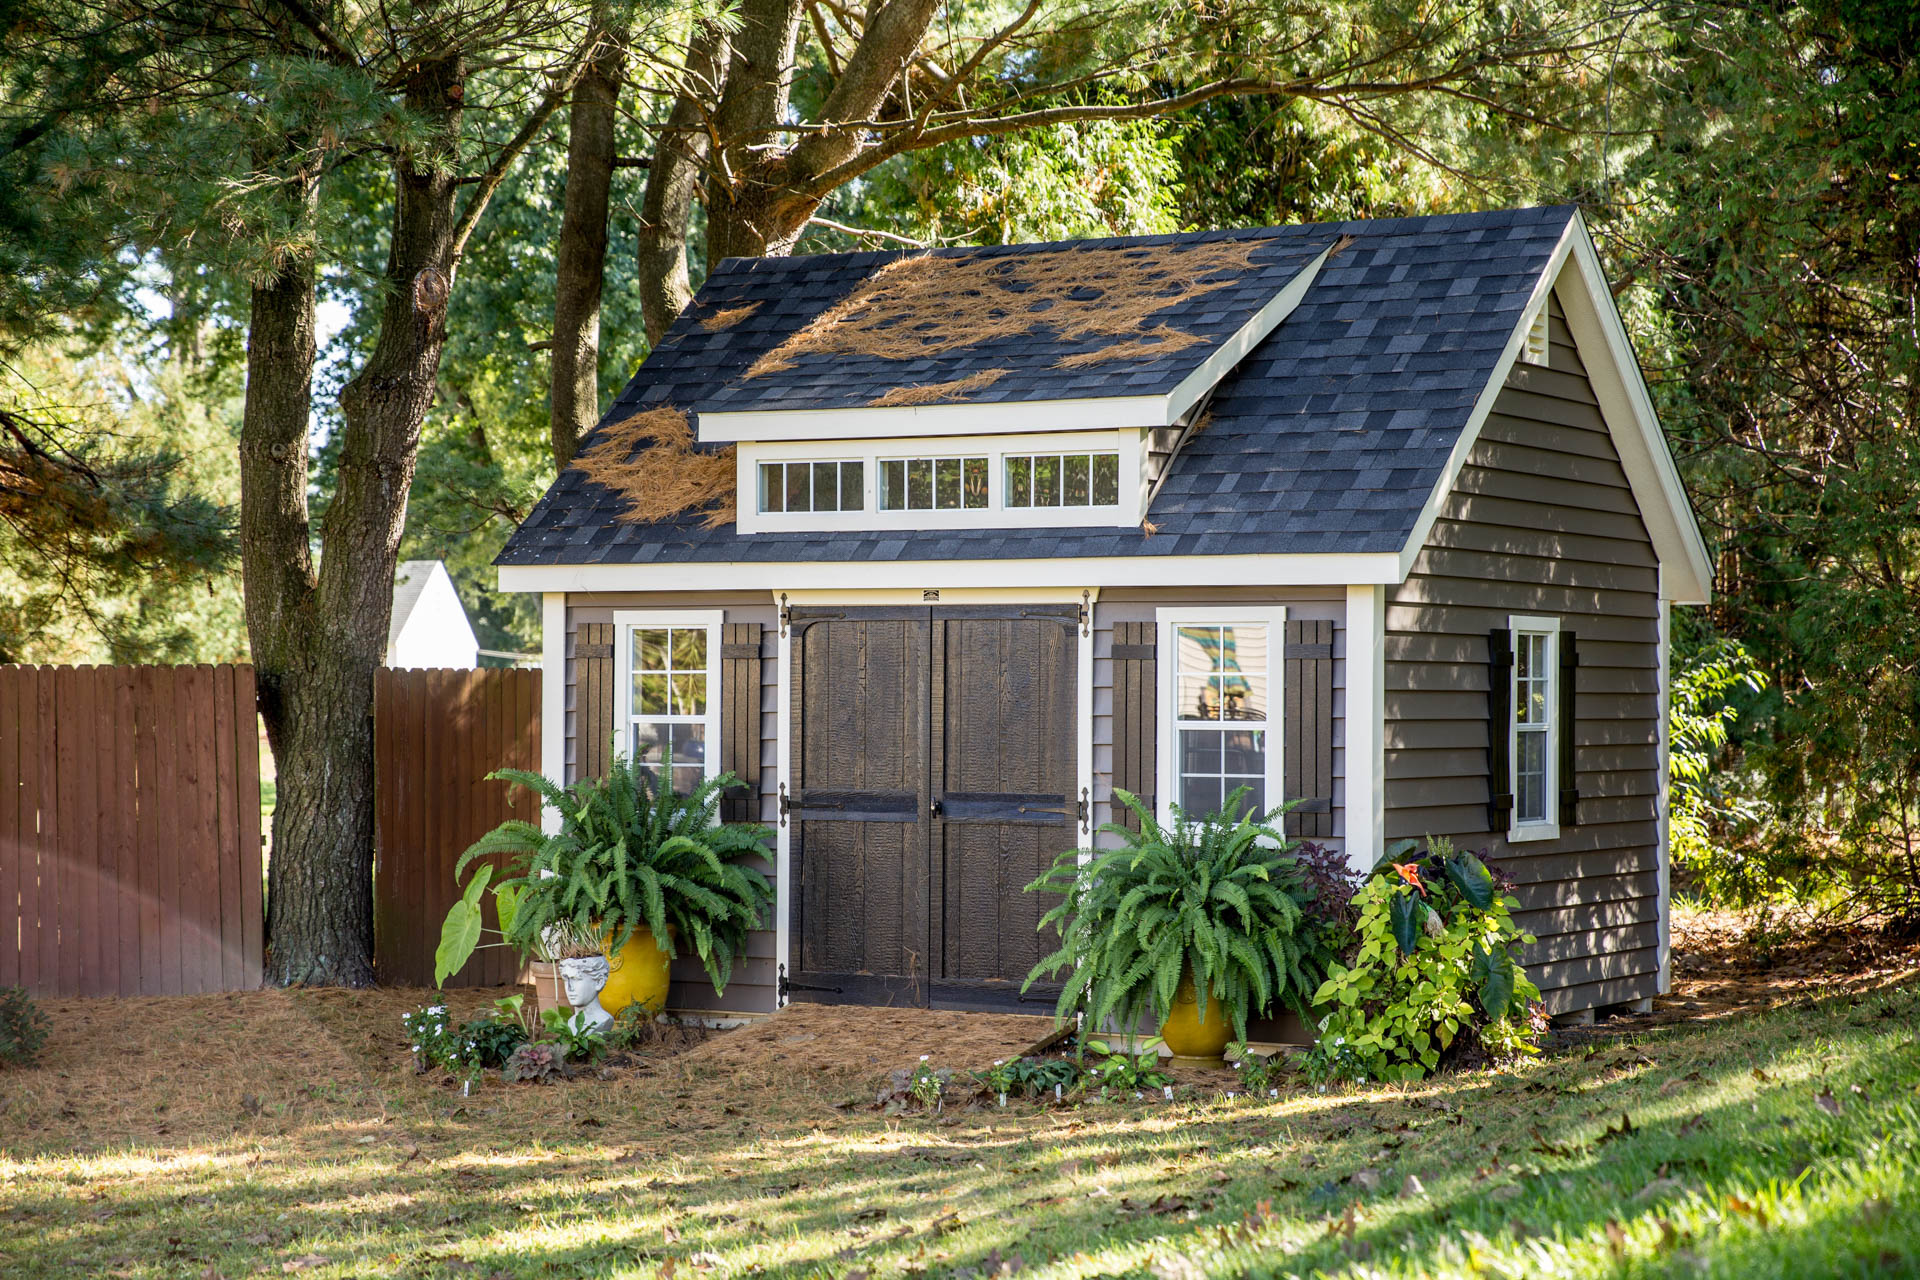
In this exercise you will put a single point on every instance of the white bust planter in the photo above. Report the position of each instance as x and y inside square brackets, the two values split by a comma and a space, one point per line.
[583, 978]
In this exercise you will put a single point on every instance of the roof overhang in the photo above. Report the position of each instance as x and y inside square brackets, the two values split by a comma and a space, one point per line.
[1003, 417]
[1686, 575]
[1333, 569]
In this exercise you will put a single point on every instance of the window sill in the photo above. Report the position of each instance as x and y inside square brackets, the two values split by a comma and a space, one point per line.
[1523, 833]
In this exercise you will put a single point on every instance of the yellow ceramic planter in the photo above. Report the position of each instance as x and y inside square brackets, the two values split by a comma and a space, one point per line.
[1186, 1036]
[639, 975]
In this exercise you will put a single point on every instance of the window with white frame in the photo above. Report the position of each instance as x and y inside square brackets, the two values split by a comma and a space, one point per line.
[812, 486]
[670, 677]
[1221, 683]
[1536, 728]
[1063, 480]
[933, 484]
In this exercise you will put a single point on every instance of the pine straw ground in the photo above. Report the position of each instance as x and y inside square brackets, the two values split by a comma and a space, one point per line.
[1761, 1123]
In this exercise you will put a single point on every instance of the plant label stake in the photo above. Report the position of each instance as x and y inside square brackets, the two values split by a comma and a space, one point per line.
[1168, 1090]
[1003, 1100]
[1056, 1093]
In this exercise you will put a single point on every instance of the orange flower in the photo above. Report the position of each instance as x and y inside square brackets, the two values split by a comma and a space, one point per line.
[1410, 872]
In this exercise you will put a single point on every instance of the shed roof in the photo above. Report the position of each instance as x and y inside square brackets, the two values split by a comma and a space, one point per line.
[1327, 437]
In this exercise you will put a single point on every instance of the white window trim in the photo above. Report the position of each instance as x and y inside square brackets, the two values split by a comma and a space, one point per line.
[1519, 832]
[1274, 618]
[624, 621]
[1129, 443]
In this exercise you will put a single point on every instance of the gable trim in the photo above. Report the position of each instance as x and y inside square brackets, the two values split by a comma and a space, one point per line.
[721, 426]
[1625, 404]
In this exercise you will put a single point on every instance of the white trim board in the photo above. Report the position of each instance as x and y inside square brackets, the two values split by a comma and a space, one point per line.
[1519, 832]
[1329, 570]
[553, 698]
[1365, 811]
[1021, 416]
[1614, 372]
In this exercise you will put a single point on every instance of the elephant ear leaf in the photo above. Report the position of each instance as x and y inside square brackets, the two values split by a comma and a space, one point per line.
[1399, 851]
[460, 932]
[1496, 987]
[506, 901]
[1406, 911]
[1470, 876]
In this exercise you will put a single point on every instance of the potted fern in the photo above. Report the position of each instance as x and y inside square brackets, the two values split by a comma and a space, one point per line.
[642, 869]
[1198, 924]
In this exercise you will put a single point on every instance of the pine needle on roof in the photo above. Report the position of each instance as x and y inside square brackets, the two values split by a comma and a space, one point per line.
[727, 317]
[933, 392]
[1161, 340]
[929, 304]
[648, 459]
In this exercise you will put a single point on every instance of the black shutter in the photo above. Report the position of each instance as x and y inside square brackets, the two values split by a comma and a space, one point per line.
[740, 720]
[1136, 690]
[1307, 728]
[1568, 726]
[1499, 730]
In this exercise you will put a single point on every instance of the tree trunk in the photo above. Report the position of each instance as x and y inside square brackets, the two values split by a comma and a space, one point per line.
[580, 269]
[317, 639]
[673, 180]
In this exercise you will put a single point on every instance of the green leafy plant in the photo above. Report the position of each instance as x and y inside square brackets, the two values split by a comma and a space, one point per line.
[432, 1037]
[576, 1039]
[1435, 959]
[1219, 899]
[1258, 1072]
[490, 1038]
[23, 1028]
[927, 1083]
[1001, 1078]
[628, 855]
[1127, 1072]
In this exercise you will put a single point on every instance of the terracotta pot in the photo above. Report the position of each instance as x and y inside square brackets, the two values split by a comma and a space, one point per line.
[1192, 1041]
[639, 975]
[548, 992]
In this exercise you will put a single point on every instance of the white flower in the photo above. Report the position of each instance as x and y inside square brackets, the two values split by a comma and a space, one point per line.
[925, 1056]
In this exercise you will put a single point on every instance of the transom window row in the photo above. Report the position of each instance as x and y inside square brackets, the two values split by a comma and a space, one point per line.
[943, 484]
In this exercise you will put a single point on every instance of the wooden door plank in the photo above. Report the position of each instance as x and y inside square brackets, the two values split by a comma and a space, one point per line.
[227, 829]
[118, 721]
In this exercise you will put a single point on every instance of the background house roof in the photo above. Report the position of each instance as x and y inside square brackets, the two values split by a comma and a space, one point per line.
[1328, 437]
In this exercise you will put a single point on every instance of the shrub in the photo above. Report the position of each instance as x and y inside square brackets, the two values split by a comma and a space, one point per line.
[23, 1028]
[1215, 898]
[492, 1037]
[1127, 1072]
[629, 854]
[1434, 971]
[535, 1063]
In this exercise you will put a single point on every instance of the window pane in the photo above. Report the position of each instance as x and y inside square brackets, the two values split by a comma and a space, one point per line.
[920, 484]
[650, 695]
[773, 496]
[1200, 796]
[976, 483]
[893, 486]
[690, 744]
[1243, 655]
[1106, 479]
[852, 485]
[687, 777]
[799, 495]
[1019, 482]
[826, 486]
[1244, 753]
[1199, 751]
[1530, 776]
[649, 745]
[1074, 468]
[650, 649]
[689, 694]
[1198, 648]
[1254, 803]
[689, 648]
[1199, 698]
[946, 484]
[1046, 482]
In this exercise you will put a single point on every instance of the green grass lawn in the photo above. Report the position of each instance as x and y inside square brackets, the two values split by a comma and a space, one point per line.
[275, 1133]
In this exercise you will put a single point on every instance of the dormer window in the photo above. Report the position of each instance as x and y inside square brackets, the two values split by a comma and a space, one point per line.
[1063, 480]
[933, 484]
[812, 486]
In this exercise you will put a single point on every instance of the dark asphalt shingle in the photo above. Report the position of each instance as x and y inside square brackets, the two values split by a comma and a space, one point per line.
[1327, 437]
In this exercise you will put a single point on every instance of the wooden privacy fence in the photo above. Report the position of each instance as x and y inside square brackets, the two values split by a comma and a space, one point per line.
[129, 830]
[437, 734]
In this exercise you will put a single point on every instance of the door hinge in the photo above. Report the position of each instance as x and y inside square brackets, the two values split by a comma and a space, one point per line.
[1085, 810]
[1086, 611]
[785, 804]
[786, 613]
[781, 991]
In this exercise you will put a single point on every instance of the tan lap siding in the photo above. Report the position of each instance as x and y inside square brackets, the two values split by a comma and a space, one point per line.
[754, 980]
[1541, 522]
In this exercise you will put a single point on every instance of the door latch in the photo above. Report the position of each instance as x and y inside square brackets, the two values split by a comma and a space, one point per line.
[935, 808]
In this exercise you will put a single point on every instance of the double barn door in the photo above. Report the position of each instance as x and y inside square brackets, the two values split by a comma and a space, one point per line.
[933, 775]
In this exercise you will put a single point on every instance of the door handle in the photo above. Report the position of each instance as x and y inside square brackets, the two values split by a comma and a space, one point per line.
[934, 808]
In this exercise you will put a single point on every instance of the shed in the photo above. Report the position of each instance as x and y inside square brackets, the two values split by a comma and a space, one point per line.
[429, 627]
[1374, 516]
